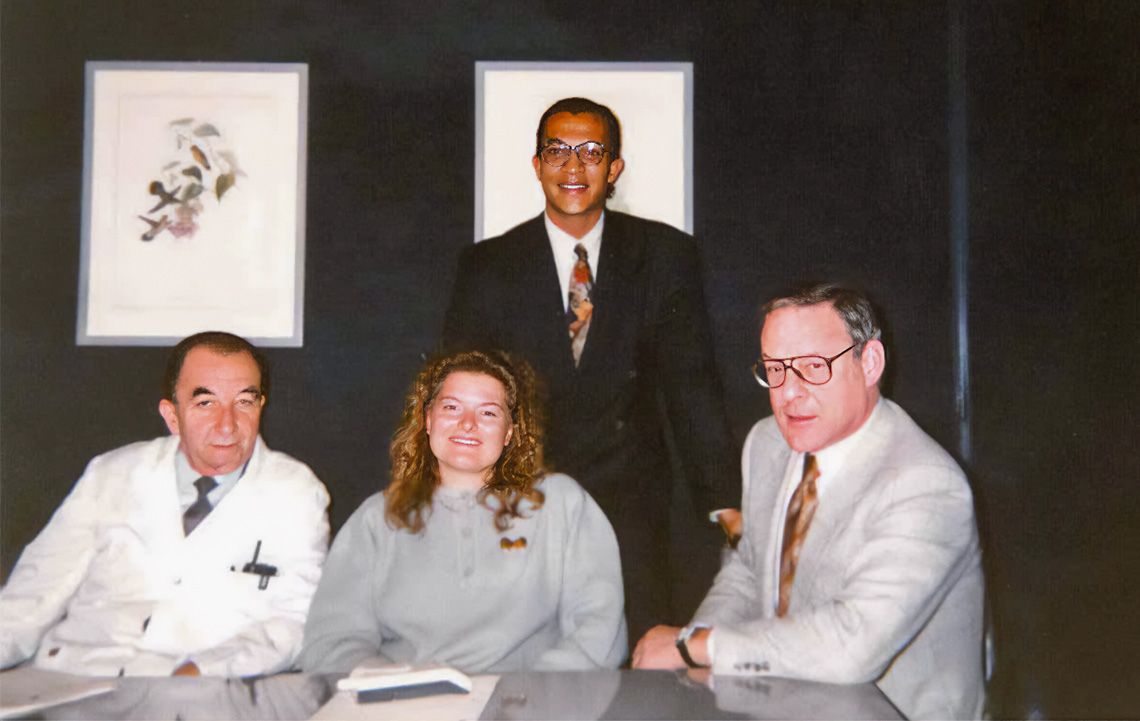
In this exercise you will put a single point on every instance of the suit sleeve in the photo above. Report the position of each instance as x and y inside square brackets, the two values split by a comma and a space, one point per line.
[691, 386]
[271, 640]
[343, 628]
[463, 324]
[919, 541]
[735, 591]
[49, 571]
[590, 604]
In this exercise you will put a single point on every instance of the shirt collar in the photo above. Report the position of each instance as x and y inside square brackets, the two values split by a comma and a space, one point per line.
[563, 243]
[185, 475]
[831, 459]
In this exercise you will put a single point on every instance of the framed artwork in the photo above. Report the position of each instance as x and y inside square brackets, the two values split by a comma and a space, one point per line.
[193, 202]
[653, 103]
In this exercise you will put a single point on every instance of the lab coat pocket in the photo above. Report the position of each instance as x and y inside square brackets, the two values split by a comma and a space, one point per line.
[205, 611]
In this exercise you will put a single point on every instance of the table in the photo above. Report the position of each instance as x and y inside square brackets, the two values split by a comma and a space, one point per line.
[536, 696]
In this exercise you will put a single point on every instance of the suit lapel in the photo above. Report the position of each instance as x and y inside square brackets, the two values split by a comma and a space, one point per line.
[769, 459]
[843, 493]
[615, 307]
[541, 301]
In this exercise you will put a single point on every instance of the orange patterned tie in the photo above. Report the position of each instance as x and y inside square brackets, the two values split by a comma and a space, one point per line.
[580, 307]
[800, 511]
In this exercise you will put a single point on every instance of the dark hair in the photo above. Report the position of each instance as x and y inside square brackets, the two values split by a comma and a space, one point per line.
[217, 341]
[853, 307]
[574, 106]
[415, 470]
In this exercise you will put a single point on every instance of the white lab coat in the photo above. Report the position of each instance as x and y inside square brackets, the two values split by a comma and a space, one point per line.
[112, 586]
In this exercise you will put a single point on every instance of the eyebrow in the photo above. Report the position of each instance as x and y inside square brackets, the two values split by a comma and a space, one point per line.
[204, 391]
[498, 405]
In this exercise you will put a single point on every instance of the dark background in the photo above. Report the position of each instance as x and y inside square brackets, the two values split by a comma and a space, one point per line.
[823, 149]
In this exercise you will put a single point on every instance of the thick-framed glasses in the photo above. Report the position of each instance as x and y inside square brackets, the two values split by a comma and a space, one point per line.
[813, 369]
[558, 154]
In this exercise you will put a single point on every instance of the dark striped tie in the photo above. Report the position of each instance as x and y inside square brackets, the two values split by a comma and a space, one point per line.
[201, 506]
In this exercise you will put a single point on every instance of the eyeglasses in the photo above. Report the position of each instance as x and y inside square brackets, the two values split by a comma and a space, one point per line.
[558, 154]
[813, 369]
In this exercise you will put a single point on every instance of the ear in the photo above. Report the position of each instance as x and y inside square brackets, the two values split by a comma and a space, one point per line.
[510, 435]
[167, 411]
[427, 422]
[874, 361]
[615, 170]
[537, 167]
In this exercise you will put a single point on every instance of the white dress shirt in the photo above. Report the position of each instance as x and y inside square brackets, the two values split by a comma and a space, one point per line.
[562, 245]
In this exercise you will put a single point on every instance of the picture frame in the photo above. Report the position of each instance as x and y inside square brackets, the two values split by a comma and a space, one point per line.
[193, 212]
[653, 103]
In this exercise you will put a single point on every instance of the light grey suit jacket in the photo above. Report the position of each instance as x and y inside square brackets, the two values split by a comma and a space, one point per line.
[889, 583]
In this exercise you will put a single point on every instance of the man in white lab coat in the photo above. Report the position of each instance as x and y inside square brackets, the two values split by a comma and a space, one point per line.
[193, 553]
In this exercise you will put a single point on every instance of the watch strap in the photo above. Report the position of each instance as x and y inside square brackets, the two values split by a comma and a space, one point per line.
[683, 645]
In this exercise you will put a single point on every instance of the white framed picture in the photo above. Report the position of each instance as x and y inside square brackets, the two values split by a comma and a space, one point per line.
[652, 101]
[193, 202]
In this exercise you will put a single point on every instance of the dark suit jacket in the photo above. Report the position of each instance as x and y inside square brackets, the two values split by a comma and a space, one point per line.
[649, 339]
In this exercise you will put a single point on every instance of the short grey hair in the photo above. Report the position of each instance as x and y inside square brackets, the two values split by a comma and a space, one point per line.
[852, 305]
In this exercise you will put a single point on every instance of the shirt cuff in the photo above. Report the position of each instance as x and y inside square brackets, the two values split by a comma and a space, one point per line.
[714, 516]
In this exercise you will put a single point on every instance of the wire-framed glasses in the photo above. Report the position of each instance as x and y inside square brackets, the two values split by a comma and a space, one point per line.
[558, 154]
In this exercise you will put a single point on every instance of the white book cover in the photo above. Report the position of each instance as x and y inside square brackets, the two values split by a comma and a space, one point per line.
[393, 676]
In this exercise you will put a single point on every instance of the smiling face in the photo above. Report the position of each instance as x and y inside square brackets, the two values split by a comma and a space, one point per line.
[216, 410]
[576, 192]
[468, 425]
[813, 417]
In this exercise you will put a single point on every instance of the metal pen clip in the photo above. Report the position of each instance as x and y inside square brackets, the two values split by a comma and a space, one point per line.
[264, 570]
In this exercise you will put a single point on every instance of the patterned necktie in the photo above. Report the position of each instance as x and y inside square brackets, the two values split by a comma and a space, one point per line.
[201, 507]
[580, 305]
[800, 511]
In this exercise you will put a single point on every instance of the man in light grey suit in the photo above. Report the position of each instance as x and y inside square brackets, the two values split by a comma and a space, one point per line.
[877, 576]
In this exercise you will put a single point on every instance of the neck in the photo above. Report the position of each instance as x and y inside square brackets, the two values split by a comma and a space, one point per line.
[461, 481]
[576, 225]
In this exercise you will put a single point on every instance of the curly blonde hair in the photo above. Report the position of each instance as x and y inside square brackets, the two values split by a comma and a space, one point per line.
[415, 470]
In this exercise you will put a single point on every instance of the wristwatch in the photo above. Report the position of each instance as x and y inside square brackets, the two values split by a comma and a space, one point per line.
[682, 644]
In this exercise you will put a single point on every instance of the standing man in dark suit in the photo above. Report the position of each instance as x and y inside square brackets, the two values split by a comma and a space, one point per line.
[609, 309]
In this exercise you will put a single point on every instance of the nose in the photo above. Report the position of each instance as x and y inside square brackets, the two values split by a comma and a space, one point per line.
[793, 386]
[467, 420]
[574, 162]
[226, 419]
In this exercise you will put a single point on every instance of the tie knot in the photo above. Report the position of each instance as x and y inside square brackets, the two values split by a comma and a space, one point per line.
[205, 484]
[811, 467]
[580, 251]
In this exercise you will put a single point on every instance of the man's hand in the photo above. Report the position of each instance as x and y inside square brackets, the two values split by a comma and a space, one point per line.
[657, 649]
[187, 669]
[732, 523]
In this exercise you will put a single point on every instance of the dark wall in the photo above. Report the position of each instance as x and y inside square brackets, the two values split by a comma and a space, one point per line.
[1055, 321]
[820, 152]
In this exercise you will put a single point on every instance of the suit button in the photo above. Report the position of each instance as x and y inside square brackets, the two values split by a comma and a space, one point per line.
[619, 425]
